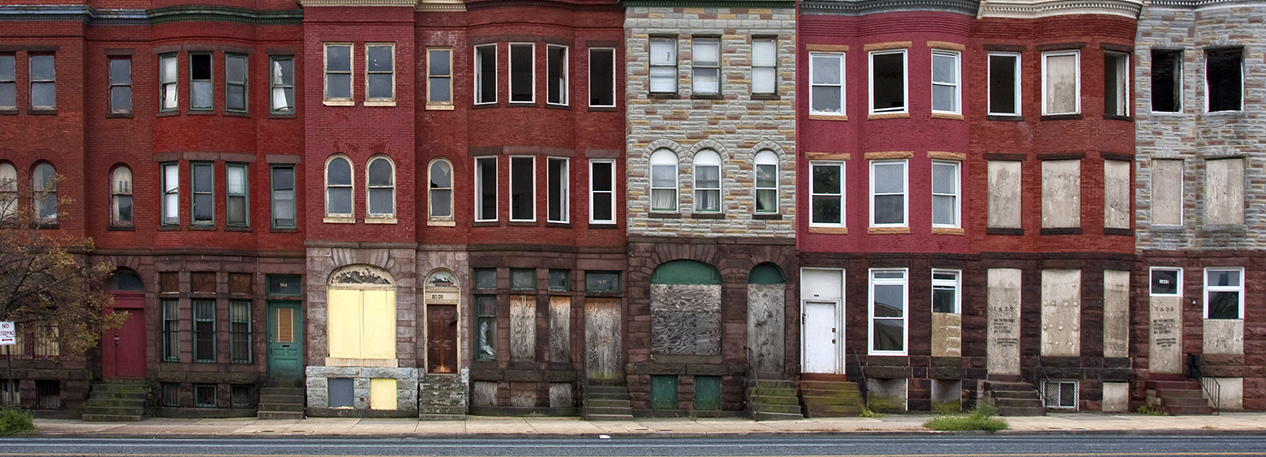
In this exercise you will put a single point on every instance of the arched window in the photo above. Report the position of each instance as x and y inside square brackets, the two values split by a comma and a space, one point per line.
[766, 182]
[381, 192]
[707, 181]
[441, 190]
[44, 184]
[8, 190]
[663, 181]
[338, 187]
[686, 309]
[121, 197]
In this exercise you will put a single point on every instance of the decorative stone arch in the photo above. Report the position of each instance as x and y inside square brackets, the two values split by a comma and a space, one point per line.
[361, 317]
[663, 144]
[708, 144]
[766, 317]
[686, 308]
[771, 146]
[441, 294]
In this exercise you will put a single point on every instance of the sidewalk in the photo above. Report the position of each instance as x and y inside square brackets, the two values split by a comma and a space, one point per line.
[1078, 423]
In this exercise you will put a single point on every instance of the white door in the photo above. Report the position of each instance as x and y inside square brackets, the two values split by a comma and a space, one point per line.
[822, 342]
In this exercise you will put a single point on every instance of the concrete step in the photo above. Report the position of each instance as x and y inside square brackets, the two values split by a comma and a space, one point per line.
[120, 387]
[275, 398]
[1189, 410]
[828, 385]
[772, 416]
[781, 409]
[609, 403]
[608, 417]
[126, 411]
[773, 400]
[833, 408]
[441, 417]
[771, 384]
[608, 389]
[112, 418]
[602, 410]
[118, 402]
[1022, 411]
[812, 414]
[1184, 393]
[780, 391]
[279, 414]
[1173, 385]
[1018, 402]
[1184, 401]
[837, 397]
[281, 407]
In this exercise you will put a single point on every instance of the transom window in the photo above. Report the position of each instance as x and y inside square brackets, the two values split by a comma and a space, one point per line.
[1166, 281]
[946, 291]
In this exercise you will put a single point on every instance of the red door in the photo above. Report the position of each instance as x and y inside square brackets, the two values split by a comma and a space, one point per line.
[123, 349]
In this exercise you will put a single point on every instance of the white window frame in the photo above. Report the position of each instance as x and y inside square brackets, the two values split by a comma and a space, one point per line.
[956, 284]
[1077, 79]
[904, 282]
[532, 71]
[905, 82]
[120, 189]
[430, 192]
[843, 190]
[956, 196]
[432, 79]
[707, 156]
[369, 209]
[351, 75]
[244, 196]
[1016, 81]
[480, 74]
[564, 76]
[671, 62]
[1076, 394]
[765, 158]
[696, 43]
[380, 101]
[592, 191]
[1237, 289]
[1125, 98]
[168, 88]
[325, 174]
[659, 155]
[479, 187]
[905, 193]
[171, 188]
[955, 85]
[613, 77]
[813, 62]
[532, 185]
[1151, 277]
[771, 67]
[564, 192]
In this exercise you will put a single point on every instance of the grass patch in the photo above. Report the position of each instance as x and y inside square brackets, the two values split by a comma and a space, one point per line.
[14, 420]
[866, 412]
[980, 418]
[1152, 409]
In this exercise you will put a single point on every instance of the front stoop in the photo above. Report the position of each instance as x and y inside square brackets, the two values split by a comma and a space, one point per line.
[442, 397]
[1015, 398]
[116, 402]
[773, 400]
[830, 398]
[1180, 398]
[607, 403]
[281, 403]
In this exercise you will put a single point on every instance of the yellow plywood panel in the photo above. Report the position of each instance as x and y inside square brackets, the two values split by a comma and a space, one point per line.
[345, 323]
[382, 394]
[379, 340]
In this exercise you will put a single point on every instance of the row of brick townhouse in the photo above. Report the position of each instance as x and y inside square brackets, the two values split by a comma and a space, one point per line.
[434, 208]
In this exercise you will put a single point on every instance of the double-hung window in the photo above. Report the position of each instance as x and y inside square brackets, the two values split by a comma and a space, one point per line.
[485, 189]
[558, 188]
[1061, 82]
[380, 74]
[707, 181]
[203, 330]
[171, 329]
[485, 74]
[43, 82]
[203, 192]
[440, 191]
[240, 331]
[601, 77]
[888, 193]
[8, 82]
[1116, 84]
[236, 200]
[283, 197]
[602, 191]
[945, 87]
[946, 291]
[338, 74]
[380, 191]
[523, 188]
[826, 82]
[764, 66]
[1224, 79]
[826, 202]
[282, 84]
[171, 194]
[556, 75]
[439, 78]
[888, 316]
[120, 85]
[1224, 293]
[663, 70]
[338, 188]
[945, 190]
[522, 72]
[888, 81]
[235, 82]
[766, 182]
[664, 181]
[200, 81]
[121, 197]
[1004, 84]
[167, 85]
[706, 61]
[1166, 80]
[44, 185]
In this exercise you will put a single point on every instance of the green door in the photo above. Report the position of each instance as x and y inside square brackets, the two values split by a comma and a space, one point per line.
[664, 392]
[707, 393]
[285, 338]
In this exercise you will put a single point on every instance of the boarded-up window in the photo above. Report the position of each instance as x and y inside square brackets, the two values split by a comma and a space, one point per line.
[686, 309]
[169, 282]
[1061, 84]
[1167, 192]
[362, 323]
[1116, 313]
[203, 282]
[1061, 193]
[1004, 194]
[1224, 191]
[239, 283]
[1061, 313]
[1116, 194]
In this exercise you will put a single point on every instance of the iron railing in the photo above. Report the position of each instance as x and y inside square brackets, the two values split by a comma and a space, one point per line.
[857, 374]
[1040, 376]
[1196, 369]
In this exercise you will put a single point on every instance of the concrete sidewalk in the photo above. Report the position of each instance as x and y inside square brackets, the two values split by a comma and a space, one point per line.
[1079, 423]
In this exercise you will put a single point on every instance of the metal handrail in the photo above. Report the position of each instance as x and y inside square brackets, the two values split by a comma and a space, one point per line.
[859, 377]
[1040, 376]
[584, 376]
[751, 365]
[1196, 369]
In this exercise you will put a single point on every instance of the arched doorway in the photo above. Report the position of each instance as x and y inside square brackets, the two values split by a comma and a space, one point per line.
[443, 295]
[123, 349]
[766, 303]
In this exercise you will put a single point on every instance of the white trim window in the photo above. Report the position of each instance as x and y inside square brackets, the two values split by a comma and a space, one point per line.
[1061, 82]
[1224, 293]
[766, 182]
[171, 194]
[120, 197]
[485, 189]
[1004, 83]
[380, 188]
[282, 84]
[663, 62]
[1116, 83]
[558, 184]
[522, 73]
[380, 74]
[440, 190]
[888, 316]
[945, 76]
[887, 83]
[485, 74]
[945, 191]
[602, 191]
[888, 196]
[826, 203]
[522, 188]
[1224, 79]
[664, 181]
[706, 64]
[439, 78]
[1165, 281]
[338, 74]
[765, 66]
[602, 77]
[168, 84]
[338, 187]
[707, 175]
[947, 291]
[556, 70]
[826, 82]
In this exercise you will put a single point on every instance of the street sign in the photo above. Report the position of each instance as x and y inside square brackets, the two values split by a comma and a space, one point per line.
[8, 334]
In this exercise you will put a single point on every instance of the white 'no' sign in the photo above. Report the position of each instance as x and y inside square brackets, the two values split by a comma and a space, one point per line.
[8, 334]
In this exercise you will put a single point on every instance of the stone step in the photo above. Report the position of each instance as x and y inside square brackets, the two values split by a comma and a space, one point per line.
[816, 414]
[441, 417]
[1188, 410]
[605, 410]
[1022, 411]
[777, 400]
[833, 408]
[773, 416]
[1184, 393]
[1018, 402]
[127, 410]
[277, 398]
[282, 391]
[775, 384]
[120, 388]
[608, 417]
[111, 418]
[280, 407]
[279, 414]
[1184, 401]
[1173, 385]
[781, 409]
[595, 389]
[777, 391]
[830, 397]
[609, 402]
[1014, 393]
[828, 385]
[118, 402]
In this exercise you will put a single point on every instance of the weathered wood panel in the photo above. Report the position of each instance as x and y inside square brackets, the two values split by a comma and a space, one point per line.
[560, 395]
[560, 329]
[765, 326]
[685, 319]
[602, 339]
[1223, 336]
[1003, 337]
[522, 328]
[1116, 313]
[1061, 313]
[1061, 193]
[1164, 354]
[947, 335]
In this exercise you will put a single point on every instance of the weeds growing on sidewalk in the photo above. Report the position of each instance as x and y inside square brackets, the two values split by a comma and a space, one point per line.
[13, 420]
[1152, 409]
[979, 418]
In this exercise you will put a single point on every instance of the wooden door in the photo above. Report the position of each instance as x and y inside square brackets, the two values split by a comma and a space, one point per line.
[123, 349]
[285, 342]
[602, 339]
[441, 338]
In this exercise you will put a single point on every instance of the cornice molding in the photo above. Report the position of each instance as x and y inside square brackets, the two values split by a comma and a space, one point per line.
[358, 3]
[207, 13]
[185, 13]
[1031, 10]
[478, 5]
[1198, 4]
[864, 7]
[709, 3]
[441, 7]
[77, 13]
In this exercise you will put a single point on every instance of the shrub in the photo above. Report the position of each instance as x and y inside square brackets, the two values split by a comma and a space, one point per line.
[13, 420]
[979, 418]
[1152, 409]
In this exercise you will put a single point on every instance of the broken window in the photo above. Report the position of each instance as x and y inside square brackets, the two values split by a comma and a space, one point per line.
[602, 77]
[556, 75]
[1166, 80]
[1223, 78]
[1116, 86]
[167, 81]
[1004, 84]
[888, 81]
[486, 74]
[200, 81]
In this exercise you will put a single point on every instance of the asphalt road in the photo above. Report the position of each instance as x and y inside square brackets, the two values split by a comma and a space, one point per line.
[897, 445]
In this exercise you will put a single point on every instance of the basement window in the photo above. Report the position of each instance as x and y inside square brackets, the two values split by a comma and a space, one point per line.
[339, 392]
[204, 395]
[1166, 281]
[242, 396]
[1224, 79]
[1166, 80]
[1058, 394]
[171, 394]
[50, 394]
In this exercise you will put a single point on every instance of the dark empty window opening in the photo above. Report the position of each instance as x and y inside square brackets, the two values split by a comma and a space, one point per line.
[1166, 80]
[1223, 74]
[200, 81]
[1116, 88]
[1002, 84]
[50, 394]
[601, 77]
[242, 396]
[521, 73]
[486, 74]
[888, 81]
[522, 185]
[171, 394]
[556, 76]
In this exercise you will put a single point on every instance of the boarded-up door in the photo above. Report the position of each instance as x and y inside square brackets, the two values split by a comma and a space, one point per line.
[441, 336]
[602, 339]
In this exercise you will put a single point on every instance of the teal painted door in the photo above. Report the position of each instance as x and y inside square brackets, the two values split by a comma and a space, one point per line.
[664, 392]
[707, 393]
[285, 342]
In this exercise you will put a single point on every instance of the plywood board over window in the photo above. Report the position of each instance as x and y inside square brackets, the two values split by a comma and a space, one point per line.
[1061, 313]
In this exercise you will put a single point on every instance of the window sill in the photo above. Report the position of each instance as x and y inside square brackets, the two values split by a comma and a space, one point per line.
[277, 115]
[380, 220]
[522, 224]
[1222, 228]
[566, 225]
[1061, 231]
[338, 220]
[168, 228]
[379, 103]
[767, 217]
[441, 223]
[200, 112]
[485, 224]
[328, 102]
[664, 215]
[443, 107]
[663, 96]
[877, 116]
[1117, 117]
[558, 107]
[203, 227]
[1118, 232]
[42, 112]
[244, 114]
[1005, 117]
[766, 97]
[950, 116]
[45, 225]
[1061, 117]
[603, 226]
[484, 105]
[707, 97]
[121, 228]
[602, 109]
[707, 215]
[237, 228]
[514, 104]
[283, 230]
[1004, 231]
[829, 230]
[948, 231]
[828, 117]
[118, 115]
[888, 230]
[166, 113]
[1159, 228]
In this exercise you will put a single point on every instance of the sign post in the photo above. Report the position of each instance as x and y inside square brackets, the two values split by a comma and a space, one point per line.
[8, 338]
